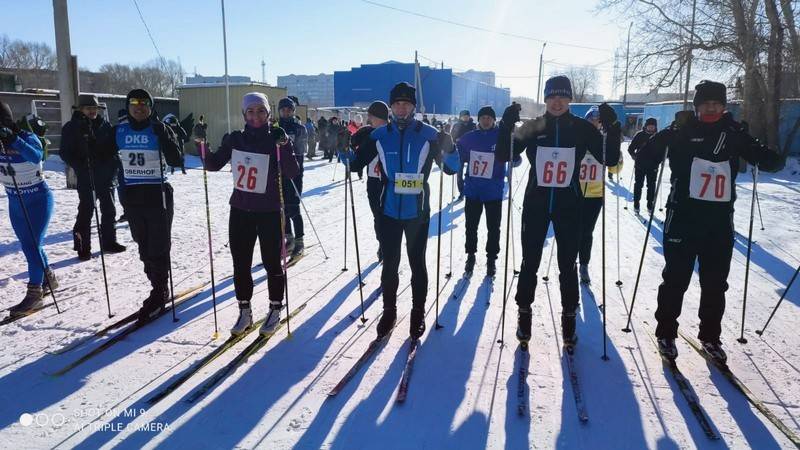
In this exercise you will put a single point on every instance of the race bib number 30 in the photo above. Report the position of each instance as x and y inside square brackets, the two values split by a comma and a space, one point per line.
[554, 166]
[140, 164]
[591, 170]
[481, 164]
[408, 183]
[710, 181]
[249, 171]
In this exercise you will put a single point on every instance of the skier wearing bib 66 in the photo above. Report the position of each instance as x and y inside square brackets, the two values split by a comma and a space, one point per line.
[555, 143]
[703, 148]
[256, 205]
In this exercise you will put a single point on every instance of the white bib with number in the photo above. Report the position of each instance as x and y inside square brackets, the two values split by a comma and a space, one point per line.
[408, 183]
[481, 164]
[591, 170]
[554, 166]
[249, 171]
[373, 169]
[710, 181]
[140, 164]
[27, 174]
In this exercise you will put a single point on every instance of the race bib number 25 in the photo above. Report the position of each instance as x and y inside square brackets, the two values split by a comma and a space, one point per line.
[710, 181]
[249, 171]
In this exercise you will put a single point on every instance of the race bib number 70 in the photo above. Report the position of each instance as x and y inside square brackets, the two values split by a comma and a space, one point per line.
[249, 171]
[554, 166]
[710, 181]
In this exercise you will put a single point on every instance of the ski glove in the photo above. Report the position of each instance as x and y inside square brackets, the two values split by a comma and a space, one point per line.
[511, 115]
[278, 135]
[607, 116]
[7, 136]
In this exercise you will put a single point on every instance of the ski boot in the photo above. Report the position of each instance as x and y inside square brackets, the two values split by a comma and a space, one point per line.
[417, 328]
[583, 271]
[245, 320]
[299, 246]
[386, 324]
[273, 319]
[50, 282]
[491, 267]
[122, 219]
[715, 351]
[650, 207]
[153, 306]
[667, 348]
[289, 244]
[636, 208]
[31, 303]
[568, 330]
[524, 324]
[82, 246]
[114, 247]
[470, 265]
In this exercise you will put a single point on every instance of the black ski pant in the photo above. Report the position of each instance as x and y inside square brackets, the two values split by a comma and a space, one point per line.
[294, 221]
[536, 219]
[708, 239]
[151, 228]
[416, 232]
[640, 175]
[243, 229]
[473, 209]
[374, 189]
[591, 211]
[104, 185]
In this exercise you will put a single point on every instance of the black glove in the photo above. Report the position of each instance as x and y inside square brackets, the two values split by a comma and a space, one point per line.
[682, 118]
[445, 142]
[278, 135]
[607, 116]
[511, 115]
[7, 135]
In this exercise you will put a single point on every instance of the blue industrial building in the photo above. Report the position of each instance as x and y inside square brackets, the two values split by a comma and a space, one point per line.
[442, 91]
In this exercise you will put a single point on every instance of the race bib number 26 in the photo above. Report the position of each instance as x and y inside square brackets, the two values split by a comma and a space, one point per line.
[554, 166]
[710, 181]
[249, 171]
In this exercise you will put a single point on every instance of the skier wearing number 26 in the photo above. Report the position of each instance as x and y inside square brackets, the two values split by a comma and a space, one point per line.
[555, 143]
[703, 148]
[256, 204]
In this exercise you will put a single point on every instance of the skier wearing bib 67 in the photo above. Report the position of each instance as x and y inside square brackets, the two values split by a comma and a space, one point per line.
[256, 205]
[555, 143]
[703, 148]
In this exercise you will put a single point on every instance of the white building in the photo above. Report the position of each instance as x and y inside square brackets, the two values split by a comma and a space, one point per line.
[313, 90]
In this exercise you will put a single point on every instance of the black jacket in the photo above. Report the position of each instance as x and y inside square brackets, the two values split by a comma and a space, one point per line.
[80, 140]
[638, 142]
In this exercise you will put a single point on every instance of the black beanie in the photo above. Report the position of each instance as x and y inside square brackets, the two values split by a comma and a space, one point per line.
[379, 110]
[487, 111]
[139, 93]
[558, 85]
[709, 90]
[651, 121]
[403, 92]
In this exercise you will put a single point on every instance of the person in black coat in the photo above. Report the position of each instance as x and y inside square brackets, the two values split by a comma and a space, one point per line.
[95, 170]
[639, 141]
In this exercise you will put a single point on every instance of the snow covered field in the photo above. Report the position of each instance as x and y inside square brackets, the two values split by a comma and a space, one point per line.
[463, 392]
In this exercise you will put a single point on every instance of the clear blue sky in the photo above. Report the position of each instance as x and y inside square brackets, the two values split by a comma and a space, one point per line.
[309, 37]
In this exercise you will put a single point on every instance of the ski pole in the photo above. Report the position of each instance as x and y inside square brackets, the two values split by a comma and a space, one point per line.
[742, 339]
[513, 247]
[10, 171]
[202, 145]
[630, 189]
[348, 178]
[167, 227]
[333, 178]
[283, 237]
[99, 231]
[450, 207]
[619, 273]
[627, 328]
[775, 309]
[660, 197]
[760, 217]
[344, 247]
[603, 247]
[438, 326]
[546, 276]
[508, 236]
[313, 228]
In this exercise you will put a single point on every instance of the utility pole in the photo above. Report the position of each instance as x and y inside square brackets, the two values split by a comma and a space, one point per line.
[418, 82]
[689, 58]
[263, 71]
[68, 90]
[627, 64]
[227, 81]
[539, 87]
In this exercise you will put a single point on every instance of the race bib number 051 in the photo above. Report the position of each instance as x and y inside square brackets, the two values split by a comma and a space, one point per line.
[249, 171]
[481, 164]
[408, 183]
[554, 166]
[710, 181]
[591, 170]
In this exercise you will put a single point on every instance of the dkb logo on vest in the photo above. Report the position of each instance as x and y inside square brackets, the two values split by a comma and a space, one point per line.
[139, 139]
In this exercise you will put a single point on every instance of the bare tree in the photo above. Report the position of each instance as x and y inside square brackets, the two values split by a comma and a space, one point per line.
[19, 54]
[160, 78]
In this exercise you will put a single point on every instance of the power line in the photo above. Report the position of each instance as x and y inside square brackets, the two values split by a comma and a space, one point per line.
[486, 30]
[160, 58]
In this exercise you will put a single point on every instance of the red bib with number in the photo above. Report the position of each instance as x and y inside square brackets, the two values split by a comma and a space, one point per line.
[374, 168]
[249, 171]
[710, 181]
[481, 164]
[554, 166]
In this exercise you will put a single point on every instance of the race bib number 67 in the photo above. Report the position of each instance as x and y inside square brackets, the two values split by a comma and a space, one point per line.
[481, 164]
[249, 171]
[554, 166]
[710, 181]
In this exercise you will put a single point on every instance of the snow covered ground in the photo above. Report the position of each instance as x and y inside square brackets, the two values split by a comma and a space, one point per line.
[463, 392]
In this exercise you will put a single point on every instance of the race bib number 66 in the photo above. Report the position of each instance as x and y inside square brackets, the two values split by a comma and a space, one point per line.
[554, 166]
[710, 181]
[249, 171]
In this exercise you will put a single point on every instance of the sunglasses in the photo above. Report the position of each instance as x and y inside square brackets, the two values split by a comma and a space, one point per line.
[139, 101]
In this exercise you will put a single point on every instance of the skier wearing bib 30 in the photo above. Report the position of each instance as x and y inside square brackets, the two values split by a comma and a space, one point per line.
[483, 187]
[555, 143]
[256, 205]
[21, 157]
[146, 146]
[703, 148]
[407, 149]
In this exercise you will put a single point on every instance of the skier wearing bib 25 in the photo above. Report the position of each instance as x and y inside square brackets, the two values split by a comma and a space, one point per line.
[483, 187]
[407, 149]
[144, 143]
[703, 148]
[256, 205]
[21, 161]
[555, 143]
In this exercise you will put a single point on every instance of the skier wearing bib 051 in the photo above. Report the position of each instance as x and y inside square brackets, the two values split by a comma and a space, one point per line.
[483, 187]
[591, 179]
[555, 143]
[407, 149]
[703, 148]
[377, 116]
[146, 146]
[256, 205]
[21, 156]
